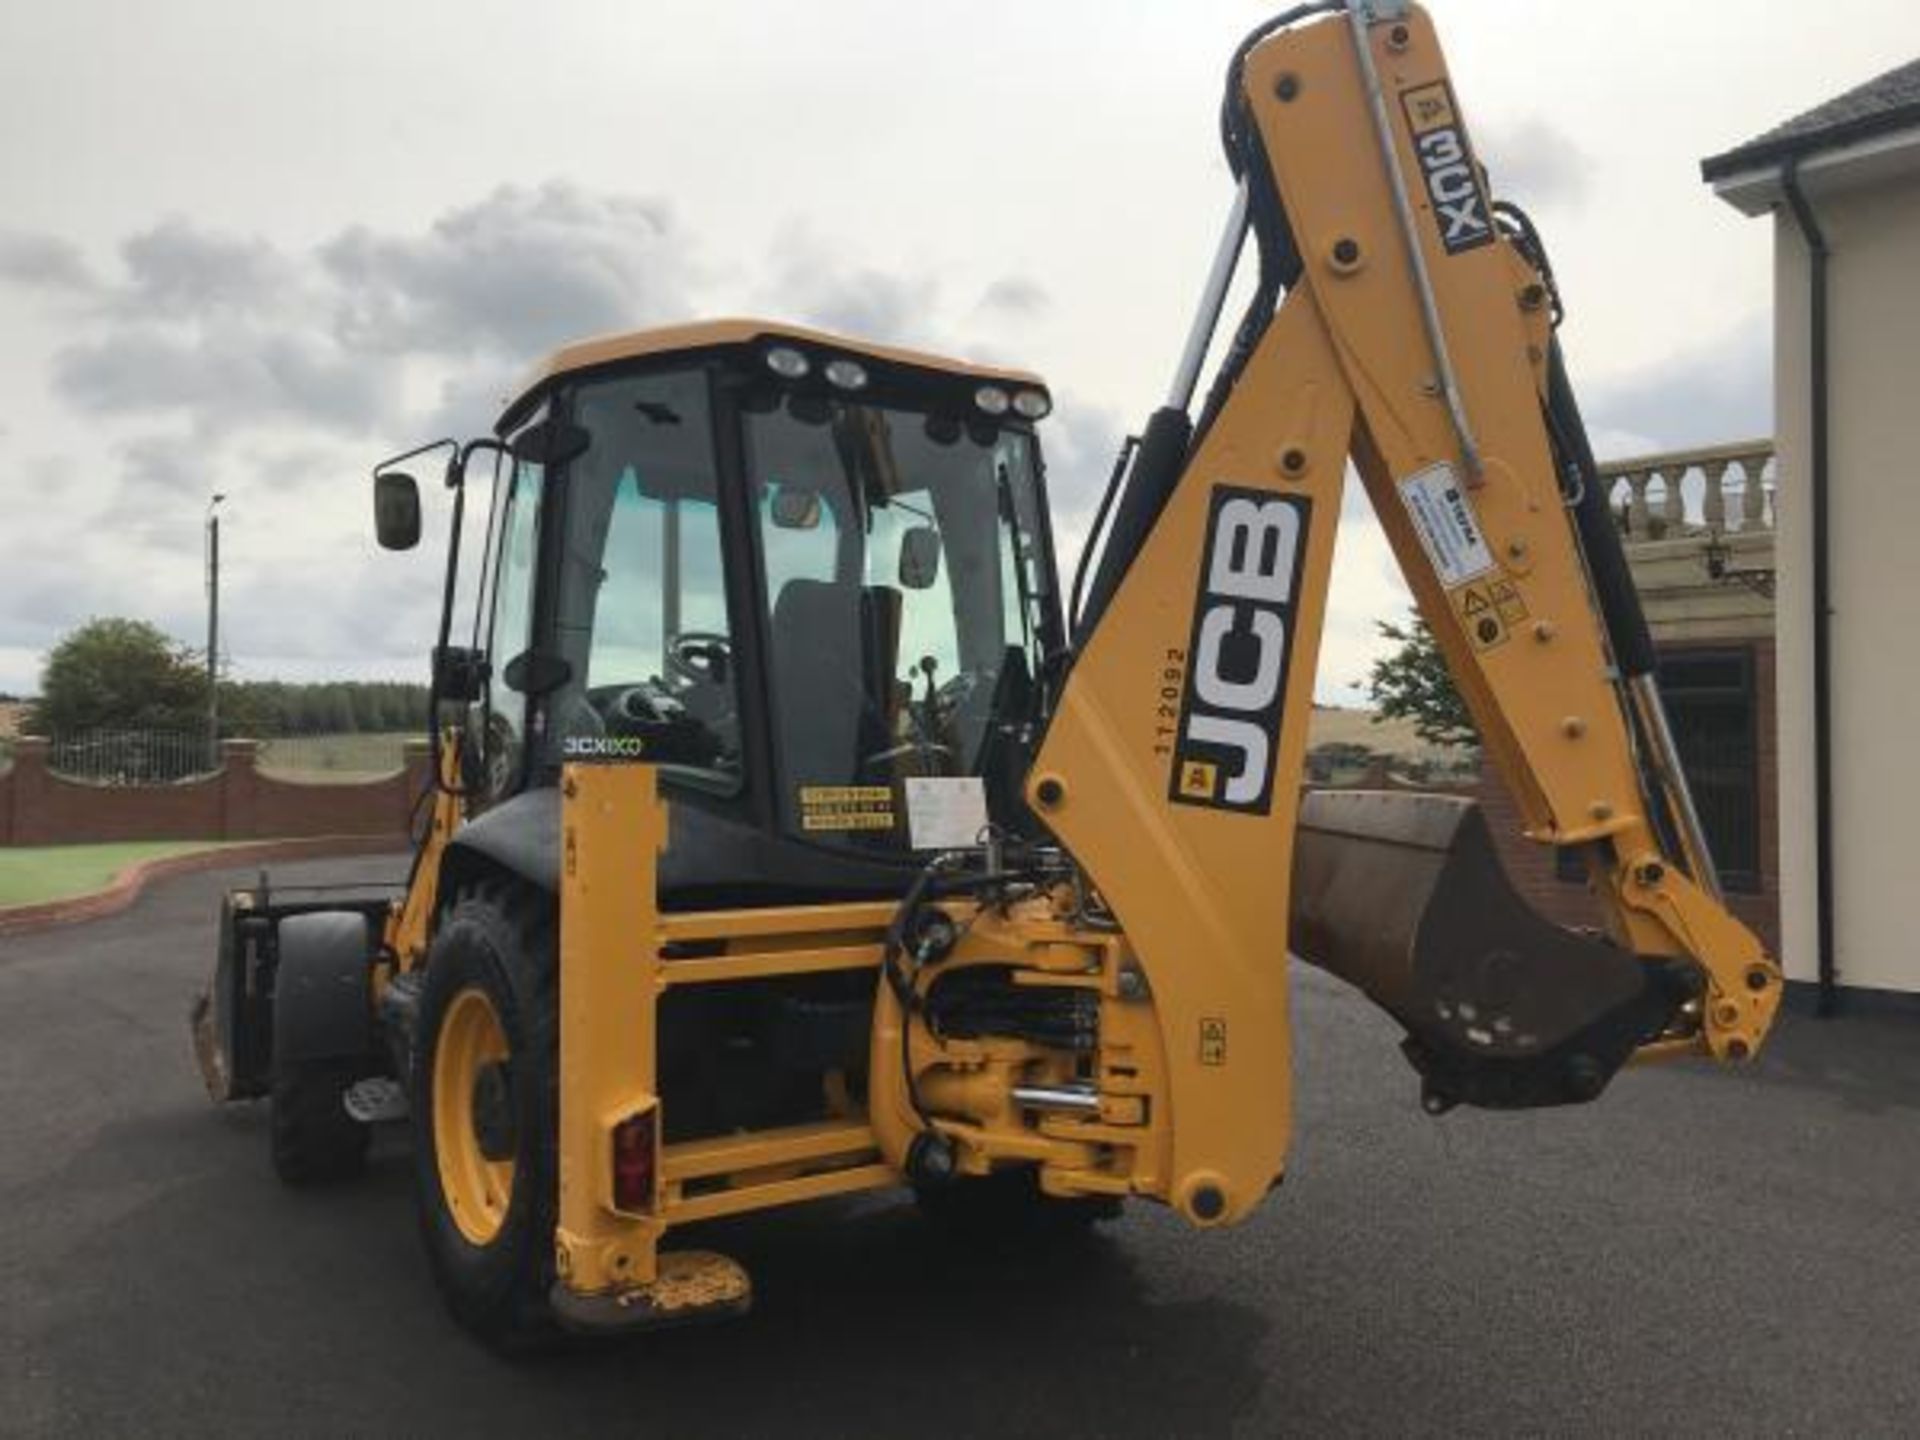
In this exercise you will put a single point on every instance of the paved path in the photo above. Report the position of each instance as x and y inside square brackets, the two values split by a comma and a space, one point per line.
[1700, 1250]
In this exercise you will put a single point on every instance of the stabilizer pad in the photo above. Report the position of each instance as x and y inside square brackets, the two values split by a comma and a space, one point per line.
[691, 1285]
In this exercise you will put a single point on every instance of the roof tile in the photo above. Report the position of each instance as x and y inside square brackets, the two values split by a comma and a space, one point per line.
[1886, 102]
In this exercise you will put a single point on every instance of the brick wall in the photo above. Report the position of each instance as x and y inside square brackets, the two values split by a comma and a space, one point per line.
[38, 807]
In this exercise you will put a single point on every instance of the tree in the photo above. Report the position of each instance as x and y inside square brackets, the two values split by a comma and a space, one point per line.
[1413, 684]
[120, 674]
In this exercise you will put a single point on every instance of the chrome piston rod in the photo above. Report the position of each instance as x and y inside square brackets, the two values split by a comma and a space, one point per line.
[1644, 691]
[1081, 1099]
[1206, 320]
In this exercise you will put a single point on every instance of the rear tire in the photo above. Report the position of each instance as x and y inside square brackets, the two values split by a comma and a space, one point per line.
[313, 1139]
[485, 1109]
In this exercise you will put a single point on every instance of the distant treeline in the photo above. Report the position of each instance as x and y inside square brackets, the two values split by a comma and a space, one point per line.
[265, 708]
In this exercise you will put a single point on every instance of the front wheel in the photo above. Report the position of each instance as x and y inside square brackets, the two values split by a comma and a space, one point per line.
[485, 1114]
[314, 1140]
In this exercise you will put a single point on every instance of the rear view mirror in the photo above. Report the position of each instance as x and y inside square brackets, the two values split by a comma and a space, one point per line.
[396, 510]
[943, 429]
[550, 442]
[795, 507]
[536, 672]
[919, 557]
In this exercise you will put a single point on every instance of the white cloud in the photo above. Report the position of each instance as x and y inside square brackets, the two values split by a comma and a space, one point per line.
[1707, 393]
[1533, 163]
[49, 261]
[213, 361]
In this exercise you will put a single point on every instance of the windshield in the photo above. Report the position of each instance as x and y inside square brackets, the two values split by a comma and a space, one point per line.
[903, 585]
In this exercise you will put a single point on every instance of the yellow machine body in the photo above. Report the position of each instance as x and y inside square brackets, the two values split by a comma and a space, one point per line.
[1172, 785]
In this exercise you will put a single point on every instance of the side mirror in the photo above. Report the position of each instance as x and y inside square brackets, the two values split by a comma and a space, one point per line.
[795, 507]
[396, 510]
[919, 557]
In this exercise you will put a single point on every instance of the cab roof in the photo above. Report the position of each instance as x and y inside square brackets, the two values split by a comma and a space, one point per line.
[711, 334]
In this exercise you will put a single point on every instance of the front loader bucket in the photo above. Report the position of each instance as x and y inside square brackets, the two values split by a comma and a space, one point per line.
[1403, 896]
[229, 1037]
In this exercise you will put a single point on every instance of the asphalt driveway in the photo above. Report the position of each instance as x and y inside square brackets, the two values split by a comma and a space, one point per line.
[1701, 1250]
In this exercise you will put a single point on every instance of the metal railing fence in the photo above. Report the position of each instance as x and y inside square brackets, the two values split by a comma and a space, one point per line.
[132, 757]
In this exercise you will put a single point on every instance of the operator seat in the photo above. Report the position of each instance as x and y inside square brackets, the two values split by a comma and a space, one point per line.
[835, 651]
[880, 615]
[817, 689]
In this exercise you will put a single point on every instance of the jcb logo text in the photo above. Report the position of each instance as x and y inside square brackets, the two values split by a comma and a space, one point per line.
[1242, 645]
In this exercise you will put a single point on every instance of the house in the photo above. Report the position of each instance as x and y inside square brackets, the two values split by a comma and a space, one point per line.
[1842, 186]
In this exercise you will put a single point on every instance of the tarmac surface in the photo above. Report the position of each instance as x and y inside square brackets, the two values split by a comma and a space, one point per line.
[1699, 1251]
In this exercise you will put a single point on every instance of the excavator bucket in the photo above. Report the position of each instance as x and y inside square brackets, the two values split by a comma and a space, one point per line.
[1404, 897]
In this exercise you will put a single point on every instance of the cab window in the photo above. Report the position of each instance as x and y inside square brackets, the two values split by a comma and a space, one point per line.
[641, 617]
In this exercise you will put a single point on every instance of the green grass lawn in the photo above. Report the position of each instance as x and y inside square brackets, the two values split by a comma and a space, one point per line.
[367, 756]
[35, 873]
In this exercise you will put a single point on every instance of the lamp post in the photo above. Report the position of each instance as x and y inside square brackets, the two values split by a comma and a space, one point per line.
[213, 627]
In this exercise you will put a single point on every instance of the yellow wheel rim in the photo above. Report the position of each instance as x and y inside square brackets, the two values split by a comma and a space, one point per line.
[471, 1053]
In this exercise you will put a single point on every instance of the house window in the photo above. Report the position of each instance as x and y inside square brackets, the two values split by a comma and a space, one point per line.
[1710, 704]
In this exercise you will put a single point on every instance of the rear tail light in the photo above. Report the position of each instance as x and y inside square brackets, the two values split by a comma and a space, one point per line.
[635, 1153]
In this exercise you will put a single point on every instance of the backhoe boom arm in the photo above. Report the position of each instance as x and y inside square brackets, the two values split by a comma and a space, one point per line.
[1415, 341]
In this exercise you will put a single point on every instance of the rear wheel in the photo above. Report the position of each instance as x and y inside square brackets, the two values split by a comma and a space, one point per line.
[485, 1111]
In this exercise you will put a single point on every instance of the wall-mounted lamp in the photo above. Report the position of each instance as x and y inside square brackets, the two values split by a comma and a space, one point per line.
[1721, 569]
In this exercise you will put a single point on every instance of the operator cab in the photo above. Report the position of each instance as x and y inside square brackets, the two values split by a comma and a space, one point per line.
[791, 571]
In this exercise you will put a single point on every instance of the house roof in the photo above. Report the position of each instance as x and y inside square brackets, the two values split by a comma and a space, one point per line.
[1885, 103]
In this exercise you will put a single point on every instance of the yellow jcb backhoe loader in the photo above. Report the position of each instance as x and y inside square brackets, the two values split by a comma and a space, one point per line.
[785, 844]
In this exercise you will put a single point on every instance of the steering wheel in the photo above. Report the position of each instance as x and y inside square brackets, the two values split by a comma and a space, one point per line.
[499, 757]
[701, 657]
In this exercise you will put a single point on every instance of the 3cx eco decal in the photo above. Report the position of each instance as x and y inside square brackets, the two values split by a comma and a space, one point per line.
[1241, 651]
[603, 747]
[1446, 162]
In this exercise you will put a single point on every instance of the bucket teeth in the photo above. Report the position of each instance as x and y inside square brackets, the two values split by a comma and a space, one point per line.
[1404, 897]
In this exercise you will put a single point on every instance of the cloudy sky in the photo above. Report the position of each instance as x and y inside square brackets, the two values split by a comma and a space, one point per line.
[255, 248]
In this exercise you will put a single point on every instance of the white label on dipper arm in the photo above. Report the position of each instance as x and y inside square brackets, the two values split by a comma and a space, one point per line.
[1444, 519]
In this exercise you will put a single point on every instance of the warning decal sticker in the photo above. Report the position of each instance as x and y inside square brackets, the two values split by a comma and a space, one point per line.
[1490, 610]
[1213, 1041]
[1449, 530]
[846, 807]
